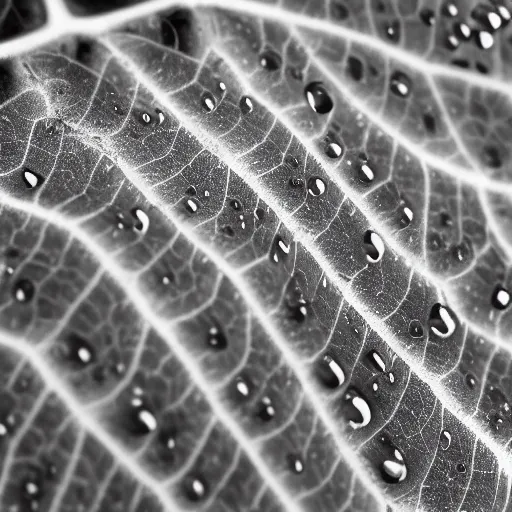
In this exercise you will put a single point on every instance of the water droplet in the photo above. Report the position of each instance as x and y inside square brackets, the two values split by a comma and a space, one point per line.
[441, 321]
[394, 470]
[462, 251]
[487, 16]
[316, 186]
[461, 468]
[445, 440]
[470, 380]
[146, 118]
[32, 179]
[391, 377]
[374, 246]
[500, 298]
[435, 241]
[270, 60]
[32, 488]
[168, 279]
[393, 31]
[216, 338]
[504, 13]
[452, 42]
[246, 105]
[259, 214]
[330, 372]
[143, 420]
[355, 68]
[359, 413]
[222, 86]
[333, 149]
[295, 464]
[191, 191]
[23, 290]
[406, 217]
[161, 116]
[484, 39]
[376, 360]
[242, 387]
[208, 102]
[462, 31]
[191, 205]
[365, 172]
[167, 438]
[195, 488]
[236, 205]
[291, 161]
[296, 182]
[415, 329]
[267, 411]
[280, 249]
[400, 84]
[445, 220]
[450, 9]
[318, 98]
[142, 221]
[428, 16]
[79, 350]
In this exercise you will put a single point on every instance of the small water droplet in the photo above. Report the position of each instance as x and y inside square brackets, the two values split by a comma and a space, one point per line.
[355, 68]
[374, 246]
[316, 186]
[359, 413]
[246, 105]
[143, 419]
[452, 42]
[462, 251]
[330, 372]
[259, 214]
[462, 31]
[142, 220]
[376, 360]
[270, 60]
[428, 16]
[222, 86]
[470, 380]
[394, 470]
[393, 31]
[267, 411]
[415, 329]
[191, 191]
[391, 377]
[167, 279]
[487, 16]
[236, 205]
[500, 298]
[161, 116]
[445, 440]
[191, 205]
[79, 350]
[242, 387]
[146, 118]
[295, 463]
[32, 179]
[216, 338]
[400, 84]
[484, 39]
[333, 149]
[208, 102]
[195, 488]
[365, 172]
[318, 98]
[445, 220]
[23, 290]
[442, 321]
[504, 13]
[280, 249]
[406, 217]
[461, 468]
[291, 161]
[450, 9]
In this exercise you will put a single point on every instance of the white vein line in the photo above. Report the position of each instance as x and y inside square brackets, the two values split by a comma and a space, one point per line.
[251, 300]
[62, 23]
[127, 282]
[305, 239]
[85, 420]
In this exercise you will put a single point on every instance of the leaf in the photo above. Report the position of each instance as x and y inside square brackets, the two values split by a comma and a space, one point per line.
[255, 256]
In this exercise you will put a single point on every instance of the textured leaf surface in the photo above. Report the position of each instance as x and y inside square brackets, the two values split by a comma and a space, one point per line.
[255, 256]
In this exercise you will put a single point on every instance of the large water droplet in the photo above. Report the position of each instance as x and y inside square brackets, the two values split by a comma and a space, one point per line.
[141, 223]
[330, 372]
[23, 290]
[374, 246]
[500, 298]
[270, 60]
[484, 40]
[31, 178]
[316, 186]
[394, 470]
[488, 16]
[191, 205]
[359, 413]
[332, 148]
[442, 321]
[400, 84]
[318, 98]
[462, 31]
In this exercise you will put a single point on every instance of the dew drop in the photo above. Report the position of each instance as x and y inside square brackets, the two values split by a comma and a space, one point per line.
[400, 84]
[270, 60]
[394, 470]
[393, 31]
[355, 68]
[280, 249]
[500, 298]
[208, 102]
[32, 179]
[23, 290]
[318, 98]
[484, 39]
[333, 149]
[191, 205]
[146, 118]
[441, 321]
[216, 338]
[445, 440]
[191, 191]
[487, 16]
[391, 377]
[462, 251]
[470, 380]
[296, 464]
[374, 246]
[504, 13]
[360, 415]
[167, 279]
[142, 220]
[246, 105]
[415, 329]
[450, 9]
[267, 411]
[452, 42]
[428, 16]
[316, 186]
[79, 350]
[259, 214]
[406, 217]
[143, 420]
[298, 310]
[462, 31]
[461, 468]
[222, 86]
[195, 489]
[330, 372]
[235, 204]
[445, 220]
[376, 360]
[242, 387]
[161, 116]
[365, 173]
